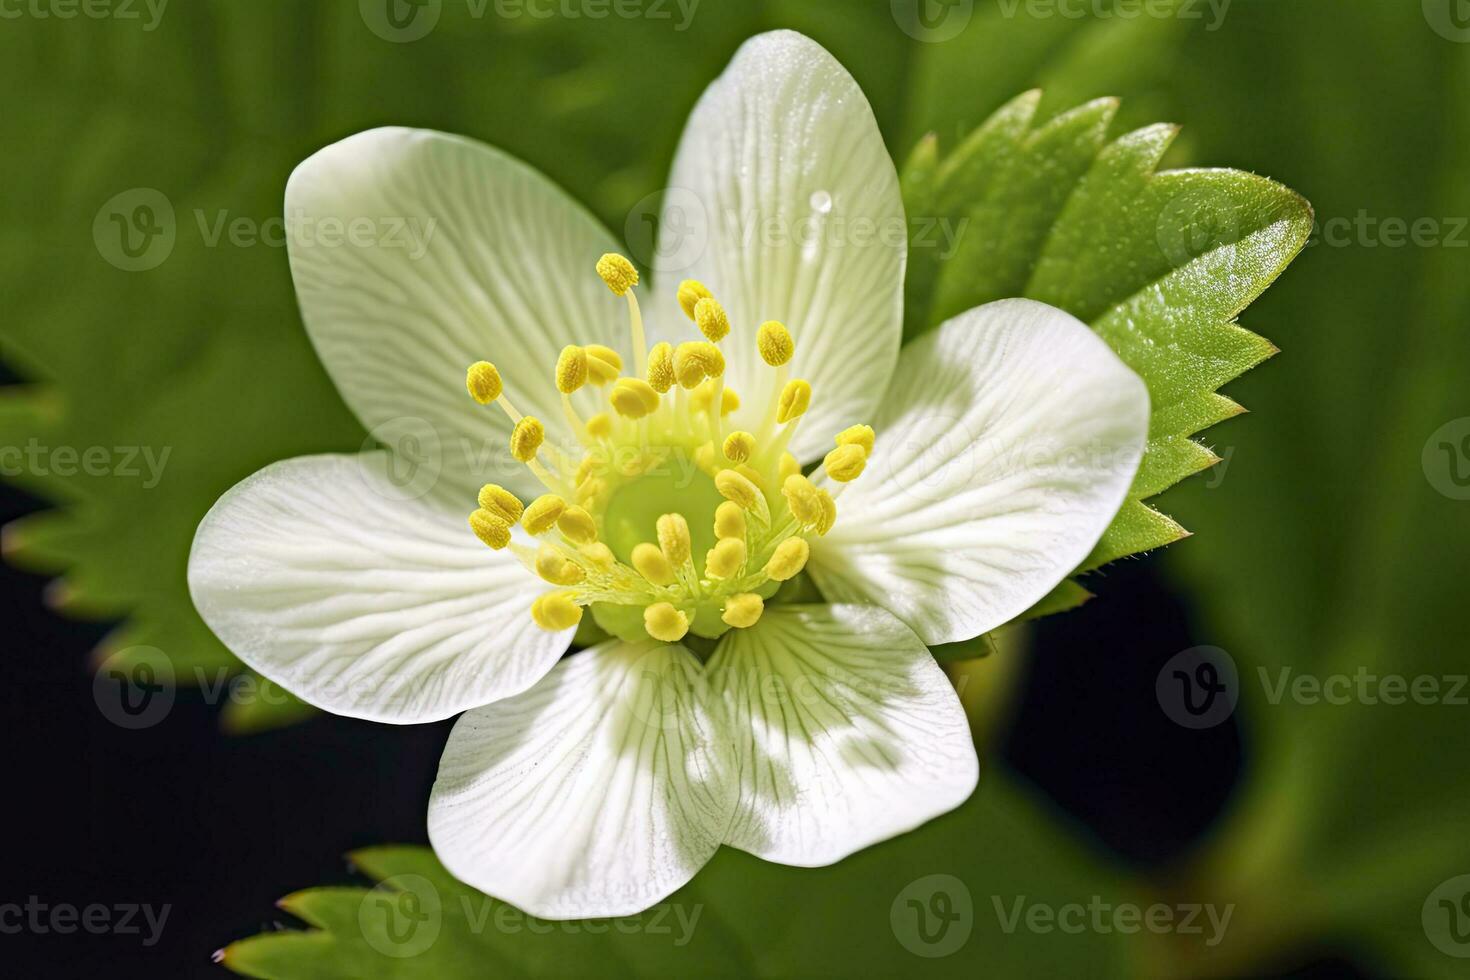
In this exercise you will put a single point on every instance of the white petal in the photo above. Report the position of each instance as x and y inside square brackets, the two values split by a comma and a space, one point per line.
[848, 732]
[784, 202]
[596, 793]
[319, 575]
[1008, 440]
[462, 254]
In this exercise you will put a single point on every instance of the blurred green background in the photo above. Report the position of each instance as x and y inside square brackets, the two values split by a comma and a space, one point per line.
[1331, 540]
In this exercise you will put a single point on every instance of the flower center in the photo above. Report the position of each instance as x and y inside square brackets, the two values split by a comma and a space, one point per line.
[664, 520]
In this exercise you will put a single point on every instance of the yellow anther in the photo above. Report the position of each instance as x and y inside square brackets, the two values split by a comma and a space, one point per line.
[661, 366]
[673, 538]
[738, 489]
[603, 364]
[599, 426]
[829, 512]
[501, 502]
[701, 396]
[577, 525]
[795, 398]
[652, 565]
[664, 622]
[729, 521]
[489, 528]
[599, 554]
[788, 466]
[775, 343]
[691, 291]
[710, 317]
[633, 398]
[557, 568]
[571, 369]
[743, 610]
[704, 457]
[483, 382]
[590, 490]
[802, 498]
[857, 435]
[789, 559]
[846, 463]
[555, 611]
[739, 446]
[541, 513]
[751, 474]
[729, 401]
[695, 360]
[725, 558]
[526, 438]
[617, 272]
[589, 467]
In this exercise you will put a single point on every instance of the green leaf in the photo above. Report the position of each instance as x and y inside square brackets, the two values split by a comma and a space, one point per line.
[739, 917]
[1160, 264]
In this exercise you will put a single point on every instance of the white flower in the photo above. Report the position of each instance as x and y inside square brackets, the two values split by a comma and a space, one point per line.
[597, 784]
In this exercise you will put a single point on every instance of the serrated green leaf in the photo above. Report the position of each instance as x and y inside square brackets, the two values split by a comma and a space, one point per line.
[1160, 264]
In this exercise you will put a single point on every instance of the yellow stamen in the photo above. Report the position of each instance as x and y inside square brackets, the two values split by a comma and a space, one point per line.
[541, 514]
[691, 291]
[501, 502]
[661, 367]
[711, 319]
[739, 446]
[556, 568]
[788, 466]
[857, 435]
[555, 611]
[617, 272]
[673, 538]
[829, 512]
[729, 521]
[599, 426]
[489, 528]
[737, 488]
[633, 398]
[802, 498]
[599, 554]
[729, 402]
[526, 438]
[577, 525]
[795, 398]
[664, 622]
[603, 364]
[483, 382]
[775, 343]
[743, 610]
[725, 558]
[695, 360]
[788, 559]
[652, 565]
[571, 369]
[845, 463]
